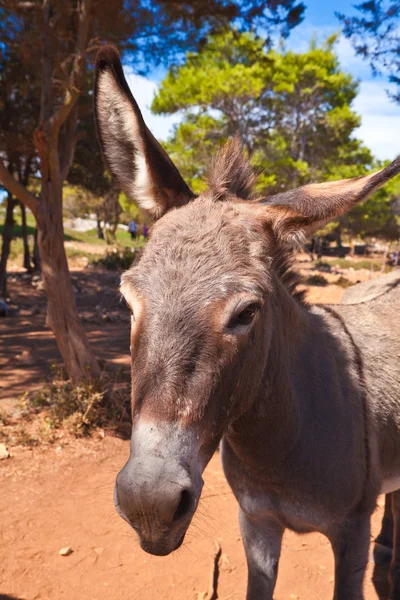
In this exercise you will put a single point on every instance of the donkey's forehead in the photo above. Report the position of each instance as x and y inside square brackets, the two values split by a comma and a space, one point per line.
[220, 247]
[207, 213]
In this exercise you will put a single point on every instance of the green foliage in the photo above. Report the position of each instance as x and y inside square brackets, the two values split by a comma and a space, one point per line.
[118, 260]
[344, 263]
[375, 217]
[343, 282]
[291, 110]
[374, 34]
[79, 201]
[317, 279]
[130, 210]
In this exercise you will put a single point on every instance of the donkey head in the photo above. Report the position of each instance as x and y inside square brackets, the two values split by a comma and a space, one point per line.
[203, 298]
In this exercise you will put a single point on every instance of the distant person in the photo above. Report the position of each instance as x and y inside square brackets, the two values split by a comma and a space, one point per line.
[132, 230]
[145, 232]
[395, 258]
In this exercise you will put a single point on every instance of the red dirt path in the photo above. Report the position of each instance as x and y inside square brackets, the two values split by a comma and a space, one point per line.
[58, 497]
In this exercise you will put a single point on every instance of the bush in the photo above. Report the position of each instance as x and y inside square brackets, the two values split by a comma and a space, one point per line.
[117, 260]
[80, 408]
[323, 266]
[316, 280]
[343, 282]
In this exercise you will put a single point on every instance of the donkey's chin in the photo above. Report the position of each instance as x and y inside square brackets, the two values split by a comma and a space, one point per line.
[161, 547]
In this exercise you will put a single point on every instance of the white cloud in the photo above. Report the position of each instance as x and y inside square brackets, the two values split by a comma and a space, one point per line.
[380, 119]
[350, 61]
[380, 116]
[144, 90]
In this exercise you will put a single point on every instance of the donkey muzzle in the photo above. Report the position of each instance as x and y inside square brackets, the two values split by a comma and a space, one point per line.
[158, 489]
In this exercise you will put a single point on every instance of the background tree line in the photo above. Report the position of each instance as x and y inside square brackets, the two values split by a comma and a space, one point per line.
[292, 111]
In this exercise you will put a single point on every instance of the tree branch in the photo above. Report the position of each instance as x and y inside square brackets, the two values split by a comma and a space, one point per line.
[73, 91]
[19, 191]
[68, 141]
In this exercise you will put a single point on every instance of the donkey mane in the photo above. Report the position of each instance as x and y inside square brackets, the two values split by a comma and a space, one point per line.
[231, 175]
[283, 264]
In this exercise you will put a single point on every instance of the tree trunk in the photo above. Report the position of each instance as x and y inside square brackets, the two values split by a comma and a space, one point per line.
[36, 255]
[112, 211]
[62, 315]
[27, 257]
[55, 159]
[338, 236]
[5, 248]
[100, 233]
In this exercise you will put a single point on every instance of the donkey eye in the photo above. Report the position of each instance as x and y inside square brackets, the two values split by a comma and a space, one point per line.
[128, 306]
[245, 316]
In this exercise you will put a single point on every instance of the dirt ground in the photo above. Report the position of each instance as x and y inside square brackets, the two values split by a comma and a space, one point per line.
[62, 496]
[55, 496]
[28, 351]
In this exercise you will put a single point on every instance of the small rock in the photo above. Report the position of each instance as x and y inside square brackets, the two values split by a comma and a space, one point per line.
[39, 286]
[26, 358]
[4, 453]
[65, 551]
[225, 560]
[99, 551]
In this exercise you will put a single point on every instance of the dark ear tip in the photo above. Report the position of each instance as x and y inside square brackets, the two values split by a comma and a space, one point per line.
[108, 57]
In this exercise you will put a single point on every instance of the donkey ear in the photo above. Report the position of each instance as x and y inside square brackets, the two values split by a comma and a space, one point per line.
[296, 213]
[140, 165]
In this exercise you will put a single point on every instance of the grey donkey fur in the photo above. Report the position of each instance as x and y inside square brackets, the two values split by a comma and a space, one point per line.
[382, 297]
[224, 347]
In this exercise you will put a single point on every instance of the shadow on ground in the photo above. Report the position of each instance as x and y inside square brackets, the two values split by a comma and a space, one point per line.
[28, 350]
[380, 580]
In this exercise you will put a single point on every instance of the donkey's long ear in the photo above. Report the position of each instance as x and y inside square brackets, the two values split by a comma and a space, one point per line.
[297, 212]
[139, 163]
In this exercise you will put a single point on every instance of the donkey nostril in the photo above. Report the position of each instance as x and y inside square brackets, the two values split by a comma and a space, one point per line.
[184, 505]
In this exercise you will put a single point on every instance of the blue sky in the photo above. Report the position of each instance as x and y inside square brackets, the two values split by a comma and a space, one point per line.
[380, 117]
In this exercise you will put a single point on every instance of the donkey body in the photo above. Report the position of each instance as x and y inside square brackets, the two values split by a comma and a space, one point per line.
[225, 348]
[381, 298]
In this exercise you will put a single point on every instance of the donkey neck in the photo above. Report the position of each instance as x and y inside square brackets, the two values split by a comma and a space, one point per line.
[301, 350]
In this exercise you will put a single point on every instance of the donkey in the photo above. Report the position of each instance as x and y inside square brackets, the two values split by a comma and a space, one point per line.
[225, 349]
[381, 294]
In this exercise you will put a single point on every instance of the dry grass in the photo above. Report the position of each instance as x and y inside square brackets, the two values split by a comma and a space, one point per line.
[61, 406]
